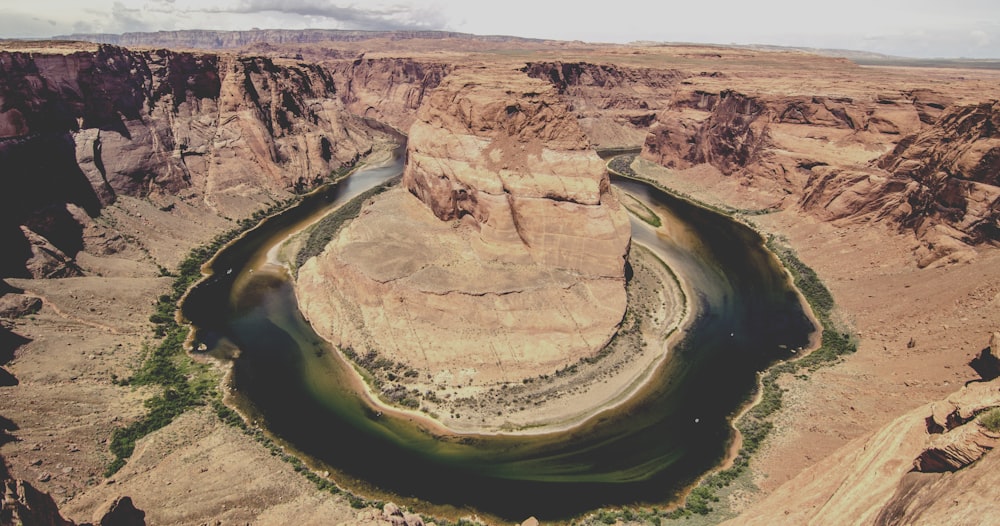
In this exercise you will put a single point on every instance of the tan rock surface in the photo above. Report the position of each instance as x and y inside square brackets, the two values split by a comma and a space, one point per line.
[223, 134]
[517, 265]
[869, 480]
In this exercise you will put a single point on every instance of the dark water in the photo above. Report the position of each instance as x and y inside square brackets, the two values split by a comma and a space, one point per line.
[644, 451]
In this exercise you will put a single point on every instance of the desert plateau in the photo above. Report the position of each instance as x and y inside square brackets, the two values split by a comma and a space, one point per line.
[412, 277]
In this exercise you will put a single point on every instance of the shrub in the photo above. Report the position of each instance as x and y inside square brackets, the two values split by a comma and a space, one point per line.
[991, 420]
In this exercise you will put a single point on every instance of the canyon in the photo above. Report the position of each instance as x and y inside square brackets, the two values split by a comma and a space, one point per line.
[117, 162]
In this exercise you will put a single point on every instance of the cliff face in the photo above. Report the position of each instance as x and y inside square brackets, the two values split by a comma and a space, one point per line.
[23, 504]
[389, 90]
[505, 236]
[733, 135]
[505, 153]
[938, 180]
[227, 134]
[213, 39]
[613, 104]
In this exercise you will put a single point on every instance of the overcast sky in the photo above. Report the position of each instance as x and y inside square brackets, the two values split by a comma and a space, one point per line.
[915, 28]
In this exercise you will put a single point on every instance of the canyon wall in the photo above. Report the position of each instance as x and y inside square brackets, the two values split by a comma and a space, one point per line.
[225, 135]
[388, 90]
[936, 178]
[914, 158]
[614, 104]
[504, 151]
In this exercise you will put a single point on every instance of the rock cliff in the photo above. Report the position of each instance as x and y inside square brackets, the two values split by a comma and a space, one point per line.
[226, 135]
[932, 465]
[22, 504]
[389, 90]
[502, 258]
[936, 180]
[940, 182]
[613, 103]
[505, 152]
[217, 39]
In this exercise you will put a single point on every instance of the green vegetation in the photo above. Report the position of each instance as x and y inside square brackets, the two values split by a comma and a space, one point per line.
[185, 383]
[233, 419]
[991, 420]
[387, 378]
[755, 424]
[640, 210]
[325, 229]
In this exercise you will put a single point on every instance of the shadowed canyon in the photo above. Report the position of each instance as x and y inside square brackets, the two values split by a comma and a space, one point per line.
[495, 283]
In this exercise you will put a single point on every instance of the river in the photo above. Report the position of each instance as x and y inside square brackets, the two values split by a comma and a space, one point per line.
[646, 450]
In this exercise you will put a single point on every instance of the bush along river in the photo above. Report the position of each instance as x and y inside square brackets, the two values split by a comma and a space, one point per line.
[746, 315]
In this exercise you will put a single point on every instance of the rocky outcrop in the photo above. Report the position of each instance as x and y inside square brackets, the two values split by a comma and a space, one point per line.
[987, 363]
[733, 131]
[956, 167]
[120, 512]
[506, 154]
[613, 104]
[23, 504]
[230, 134]
[502, 258]
[733, 136]
[388, 90]
[955, 450]
[940, 183]
[929, 466]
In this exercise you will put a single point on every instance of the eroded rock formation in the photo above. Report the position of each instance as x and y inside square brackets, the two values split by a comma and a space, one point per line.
[932, 465]
[22, 504]
[502, 257]
[614, 104]
[732, 136]
[389, 90]
[228, 134]
[506, 153]
[938, 181]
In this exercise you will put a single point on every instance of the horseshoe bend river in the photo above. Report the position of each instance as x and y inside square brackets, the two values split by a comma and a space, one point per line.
[648, 449]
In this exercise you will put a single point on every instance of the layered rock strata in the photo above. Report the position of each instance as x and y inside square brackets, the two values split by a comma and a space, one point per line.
[932, 465]
[501, 258]
[905, 160]
[224, 134]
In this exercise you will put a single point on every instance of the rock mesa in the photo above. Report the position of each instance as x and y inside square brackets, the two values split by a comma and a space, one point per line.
[503, 255]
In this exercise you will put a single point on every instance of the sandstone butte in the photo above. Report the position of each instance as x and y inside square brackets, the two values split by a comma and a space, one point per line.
[116, 162]
[503, 255]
